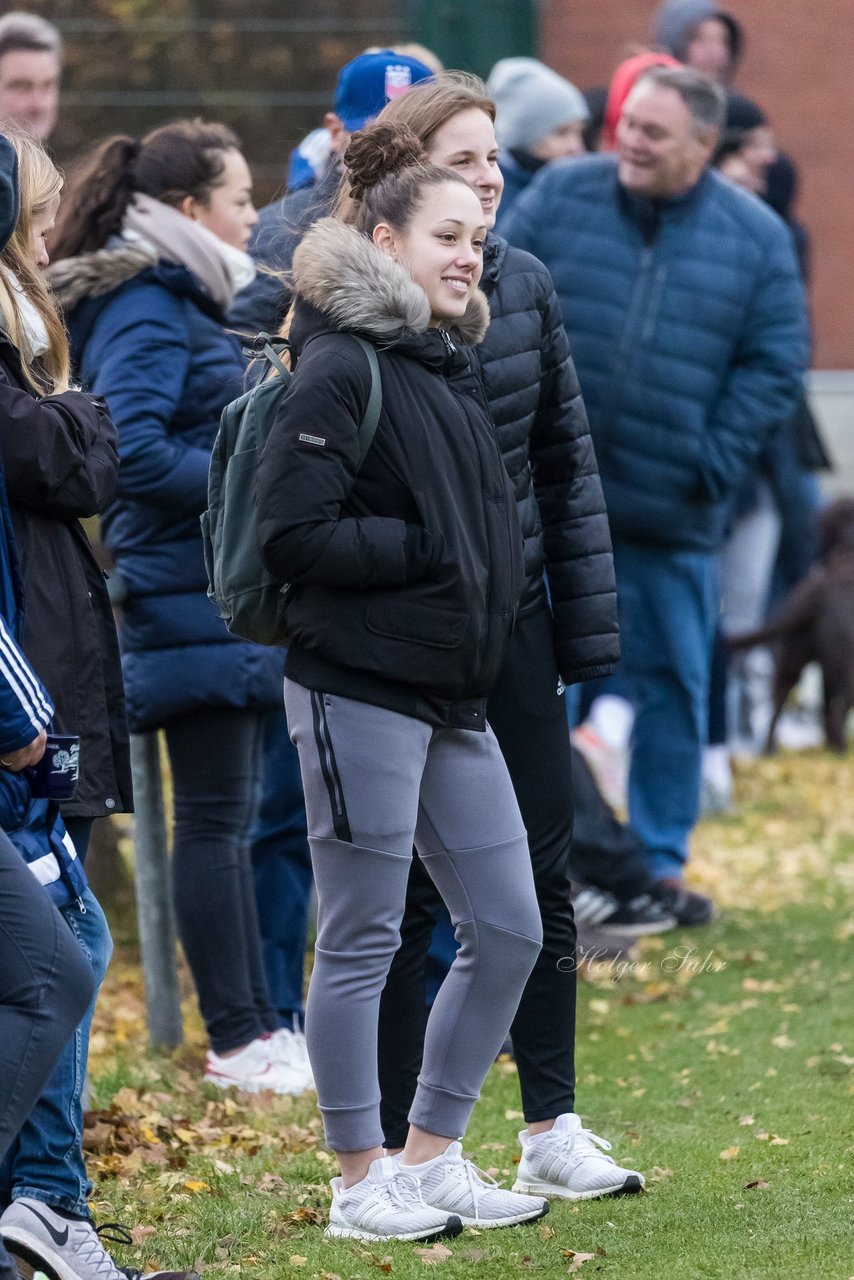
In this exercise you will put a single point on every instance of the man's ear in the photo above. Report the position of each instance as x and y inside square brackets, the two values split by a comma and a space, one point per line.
[339, 136]
[384, 238]
[708, 138]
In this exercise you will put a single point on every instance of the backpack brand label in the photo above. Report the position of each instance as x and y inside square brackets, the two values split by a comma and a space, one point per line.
[312, 439]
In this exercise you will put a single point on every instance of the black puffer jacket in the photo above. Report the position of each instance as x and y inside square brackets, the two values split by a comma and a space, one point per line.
[407, 575]
[535, 401]
[61, 463]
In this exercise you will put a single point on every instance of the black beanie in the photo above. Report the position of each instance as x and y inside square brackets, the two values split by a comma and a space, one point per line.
[743, 113]
[9, 199]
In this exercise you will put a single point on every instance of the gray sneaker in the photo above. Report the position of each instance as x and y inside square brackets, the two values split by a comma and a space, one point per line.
[38, 1236]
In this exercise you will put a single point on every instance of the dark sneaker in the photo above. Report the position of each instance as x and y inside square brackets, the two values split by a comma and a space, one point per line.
[689, 908]
[607, 914]
[591, 905]
[39, 1237]
[637, 918]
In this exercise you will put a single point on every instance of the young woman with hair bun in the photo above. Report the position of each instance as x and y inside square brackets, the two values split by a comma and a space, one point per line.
[566, 631]
[405, 576]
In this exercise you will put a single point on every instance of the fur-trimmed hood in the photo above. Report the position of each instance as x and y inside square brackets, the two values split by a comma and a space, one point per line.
[92, 275]
[341, 273]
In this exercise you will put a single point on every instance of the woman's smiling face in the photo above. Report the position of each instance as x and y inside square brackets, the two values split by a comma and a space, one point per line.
[441, 248]
[466, 143]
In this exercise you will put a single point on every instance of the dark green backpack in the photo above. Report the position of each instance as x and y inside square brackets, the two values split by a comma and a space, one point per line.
[249, 599]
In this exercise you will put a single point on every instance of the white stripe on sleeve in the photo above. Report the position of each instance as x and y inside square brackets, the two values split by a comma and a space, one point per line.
[22, 681]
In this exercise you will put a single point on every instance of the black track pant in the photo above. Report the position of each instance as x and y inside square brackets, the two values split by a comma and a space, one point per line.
[529, 721]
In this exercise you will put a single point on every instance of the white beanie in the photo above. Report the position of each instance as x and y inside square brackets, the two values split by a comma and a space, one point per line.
[531, 100]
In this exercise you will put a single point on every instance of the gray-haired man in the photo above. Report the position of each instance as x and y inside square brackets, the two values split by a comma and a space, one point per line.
[682, 299]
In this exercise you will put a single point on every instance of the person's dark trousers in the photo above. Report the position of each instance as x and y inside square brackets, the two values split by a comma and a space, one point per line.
[215, 754]
[717, 734]
[605, 852]
[45, 988]
[80, 831]
[529, 721]
[281, 866]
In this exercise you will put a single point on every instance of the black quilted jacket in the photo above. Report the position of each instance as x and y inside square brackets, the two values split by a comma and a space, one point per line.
[536, 405]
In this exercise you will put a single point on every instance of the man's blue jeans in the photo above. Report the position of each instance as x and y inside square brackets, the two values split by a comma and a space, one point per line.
[45, 1162]
[281, 866]
[668, 606]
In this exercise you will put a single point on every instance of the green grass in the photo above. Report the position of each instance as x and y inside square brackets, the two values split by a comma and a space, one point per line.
[743, 1046]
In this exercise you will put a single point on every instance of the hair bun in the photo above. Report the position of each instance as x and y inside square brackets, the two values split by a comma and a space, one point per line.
[379, 151]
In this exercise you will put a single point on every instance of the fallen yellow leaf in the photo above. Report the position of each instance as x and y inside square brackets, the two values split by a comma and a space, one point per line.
[436, 1253]
[729, 1153]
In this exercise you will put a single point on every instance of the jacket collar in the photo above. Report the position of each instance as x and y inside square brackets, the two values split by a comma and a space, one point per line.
[494, 253]
[649, 214]
[92, 275]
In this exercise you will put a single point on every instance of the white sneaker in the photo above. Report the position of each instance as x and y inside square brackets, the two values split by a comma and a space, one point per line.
[387, 1205]
[455, 1185]
[568, 1162]
[70, 1249]
[256, 1067]
[291, 1049]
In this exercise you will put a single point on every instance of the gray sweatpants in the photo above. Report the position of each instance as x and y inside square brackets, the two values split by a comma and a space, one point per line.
[375, 783]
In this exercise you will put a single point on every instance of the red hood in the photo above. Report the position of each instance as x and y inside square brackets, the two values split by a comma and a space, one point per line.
[622, 83]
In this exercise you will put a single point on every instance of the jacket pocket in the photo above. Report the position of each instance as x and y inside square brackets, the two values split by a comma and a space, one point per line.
[417, 623]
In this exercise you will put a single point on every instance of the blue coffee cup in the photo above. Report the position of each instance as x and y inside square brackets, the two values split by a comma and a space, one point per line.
[55, 776]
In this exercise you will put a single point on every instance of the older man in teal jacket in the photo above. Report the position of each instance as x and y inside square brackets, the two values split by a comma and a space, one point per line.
[683, 302]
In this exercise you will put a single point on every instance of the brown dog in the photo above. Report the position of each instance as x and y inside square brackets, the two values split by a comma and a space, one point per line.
[816, 624]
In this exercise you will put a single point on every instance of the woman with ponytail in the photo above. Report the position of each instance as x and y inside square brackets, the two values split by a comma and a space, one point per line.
[405, 573]
[149, 252]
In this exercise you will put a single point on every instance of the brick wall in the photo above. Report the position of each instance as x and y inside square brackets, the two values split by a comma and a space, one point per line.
[799, 66]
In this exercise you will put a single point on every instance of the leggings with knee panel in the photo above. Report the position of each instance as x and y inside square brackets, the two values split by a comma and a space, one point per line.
[376, 782]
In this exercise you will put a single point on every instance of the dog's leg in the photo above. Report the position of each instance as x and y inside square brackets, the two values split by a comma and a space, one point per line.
[787, 673]
[835, 711]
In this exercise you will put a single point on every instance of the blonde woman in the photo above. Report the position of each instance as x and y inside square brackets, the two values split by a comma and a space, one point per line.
[58, 452]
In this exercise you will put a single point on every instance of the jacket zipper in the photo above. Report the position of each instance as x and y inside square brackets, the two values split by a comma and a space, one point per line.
[484, 406]
[633, 311]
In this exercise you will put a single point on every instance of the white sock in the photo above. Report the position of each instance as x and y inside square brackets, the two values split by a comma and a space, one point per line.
[613, 718]
[716, 766]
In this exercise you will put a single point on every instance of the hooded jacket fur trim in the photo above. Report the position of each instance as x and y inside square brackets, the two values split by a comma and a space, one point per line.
[91, 275]
[342, 273]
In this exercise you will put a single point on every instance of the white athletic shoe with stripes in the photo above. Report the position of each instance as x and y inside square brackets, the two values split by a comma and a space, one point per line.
[256, 1067]
[569, 1162]
[387, 1205]
[455, 1185]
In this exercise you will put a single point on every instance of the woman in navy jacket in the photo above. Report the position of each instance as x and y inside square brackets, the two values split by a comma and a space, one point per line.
[149, 253]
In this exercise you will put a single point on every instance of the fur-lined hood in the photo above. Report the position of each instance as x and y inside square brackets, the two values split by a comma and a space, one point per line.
[92, 275]
[343, 274]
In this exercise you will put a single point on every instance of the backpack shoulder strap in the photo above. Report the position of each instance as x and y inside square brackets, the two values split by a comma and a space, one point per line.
[368, 425]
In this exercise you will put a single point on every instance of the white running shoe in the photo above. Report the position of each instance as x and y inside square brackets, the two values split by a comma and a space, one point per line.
[37, 1237]
[455, 1185]
[256, 1067]
[387, 1205]
[291, 1049]
[568, 1162]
